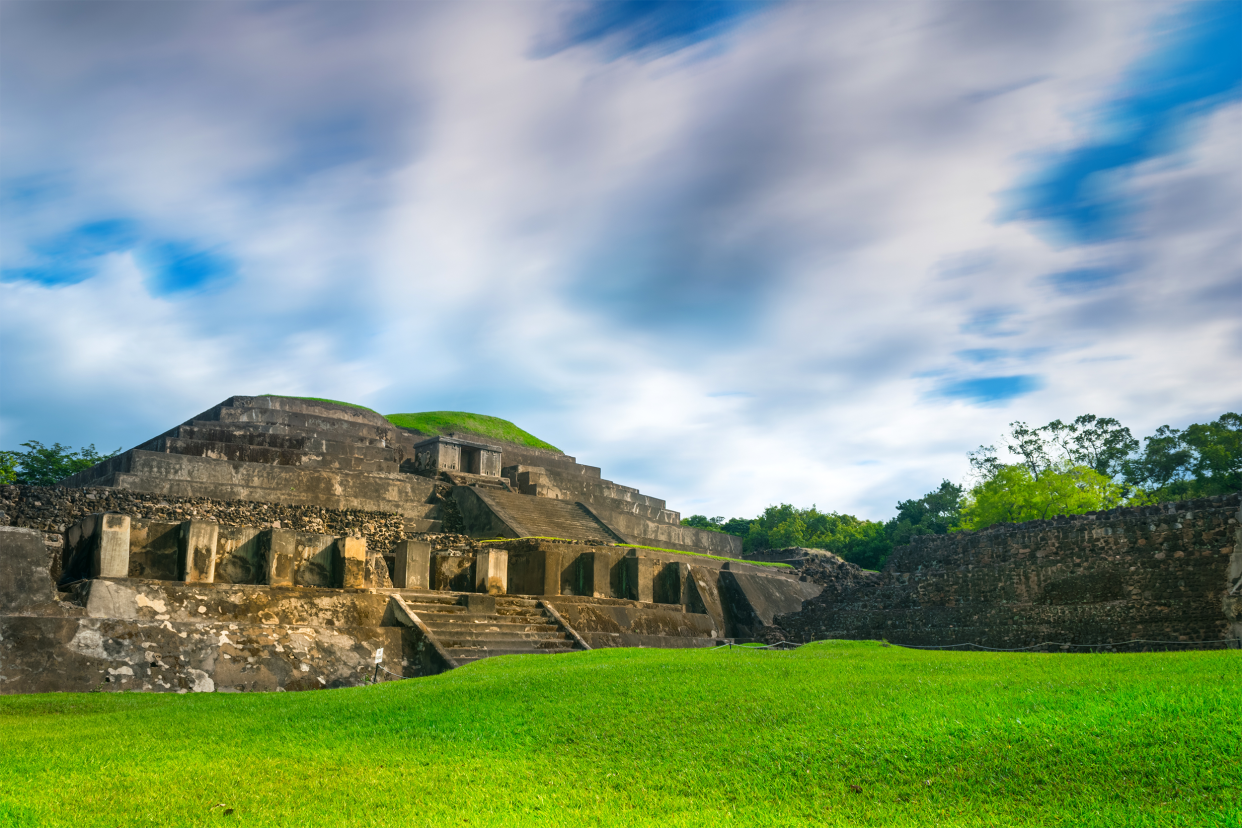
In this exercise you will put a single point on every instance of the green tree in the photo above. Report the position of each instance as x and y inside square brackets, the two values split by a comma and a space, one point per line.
[935, 513]
[8, 467]
[1205, 459]
[703, 522]
[859, 541]
[1013, 495]
[732, 526]
[42, 465]
[1099, 443]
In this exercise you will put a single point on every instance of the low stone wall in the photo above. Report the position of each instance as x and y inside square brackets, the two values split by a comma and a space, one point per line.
[53, 509]
[1168, 573]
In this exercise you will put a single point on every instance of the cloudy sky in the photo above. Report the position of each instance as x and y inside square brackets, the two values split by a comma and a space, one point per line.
[734, 253]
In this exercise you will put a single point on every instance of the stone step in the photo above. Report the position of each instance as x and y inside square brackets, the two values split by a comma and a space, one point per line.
[443, 627]
[541, 517]
[187, 476]
[422, 609]
[465, 655]
[284, 437]
[313, 423]
[518, 601]
[420, 525]
[490, 639]
[439, 599]
[311, 408]
[507, 615]
[244, 453]
[442, 616]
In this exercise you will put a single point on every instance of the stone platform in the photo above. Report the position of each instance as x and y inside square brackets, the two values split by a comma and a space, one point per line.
[194, 606]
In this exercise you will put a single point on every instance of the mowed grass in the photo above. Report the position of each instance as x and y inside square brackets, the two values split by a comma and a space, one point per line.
[444, 422]
[659, 737]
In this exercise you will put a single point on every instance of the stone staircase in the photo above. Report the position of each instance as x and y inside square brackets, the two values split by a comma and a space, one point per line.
[515, 626]
[541, 517]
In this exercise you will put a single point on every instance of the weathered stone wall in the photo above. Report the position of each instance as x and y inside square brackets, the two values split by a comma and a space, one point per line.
[52, 509]
[1171, 572]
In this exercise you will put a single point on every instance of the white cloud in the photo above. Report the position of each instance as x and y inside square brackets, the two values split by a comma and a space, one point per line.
[427, 217]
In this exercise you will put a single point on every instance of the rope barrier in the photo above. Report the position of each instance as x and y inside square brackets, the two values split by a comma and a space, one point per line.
[793, 646]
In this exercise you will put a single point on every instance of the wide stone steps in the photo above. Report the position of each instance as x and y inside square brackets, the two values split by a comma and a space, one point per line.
[544, 517]
[489, 639]
[518, 626]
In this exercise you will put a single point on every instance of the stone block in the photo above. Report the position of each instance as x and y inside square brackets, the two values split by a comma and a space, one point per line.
[279, 552]
[239, 555]
[601, 575]
[155, 550]
[480, 604]
[701, 593]
[640, 579]
[412, 567]
[197, 548]
[352, 554]
[110, 555]
[491, 574]
[552, 568]
[452, 573]
[25, 576]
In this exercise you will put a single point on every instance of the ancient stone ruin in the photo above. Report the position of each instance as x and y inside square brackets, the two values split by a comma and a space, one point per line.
[278, 543]
[274, 543]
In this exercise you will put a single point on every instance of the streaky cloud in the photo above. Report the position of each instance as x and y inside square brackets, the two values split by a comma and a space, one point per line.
[639, 25]
[1194, 68]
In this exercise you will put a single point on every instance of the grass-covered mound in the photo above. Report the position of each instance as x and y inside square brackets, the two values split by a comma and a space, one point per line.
[445, 422]
[837, 733]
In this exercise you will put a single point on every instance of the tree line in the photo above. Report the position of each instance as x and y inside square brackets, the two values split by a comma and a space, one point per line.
[1087, 465]
[41, 465]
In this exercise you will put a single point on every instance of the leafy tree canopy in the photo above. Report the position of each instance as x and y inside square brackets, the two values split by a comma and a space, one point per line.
[1203, 460]
[42, 465]
[8, 467]
[935, 513]
[859, 541]
[732, 526]
[1013, 495]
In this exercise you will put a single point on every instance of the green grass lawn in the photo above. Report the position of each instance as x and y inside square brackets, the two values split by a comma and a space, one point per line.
[837, 733]
[444, 422]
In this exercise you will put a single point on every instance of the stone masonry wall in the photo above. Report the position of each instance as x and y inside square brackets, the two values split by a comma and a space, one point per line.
[53, 509]
[1171, 572]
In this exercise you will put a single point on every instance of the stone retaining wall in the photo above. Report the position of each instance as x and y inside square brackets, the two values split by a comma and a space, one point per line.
[52, 509]
[1171, 572]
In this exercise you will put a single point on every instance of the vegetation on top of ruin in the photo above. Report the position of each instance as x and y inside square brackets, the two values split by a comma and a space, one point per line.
[834, 733]
[436, 423]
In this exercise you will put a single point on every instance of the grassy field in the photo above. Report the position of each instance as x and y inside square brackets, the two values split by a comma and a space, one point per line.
[443, 422]
[837, 733]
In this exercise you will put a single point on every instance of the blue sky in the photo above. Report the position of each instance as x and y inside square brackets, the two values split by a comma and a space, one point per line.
[733, 253]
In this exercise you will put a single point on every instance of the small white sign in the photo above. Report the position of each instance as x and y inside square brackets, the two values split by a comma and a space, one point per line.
[379, 655]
